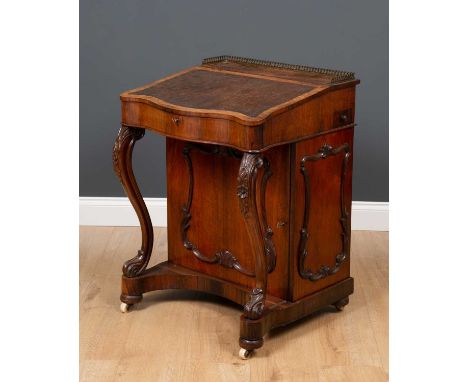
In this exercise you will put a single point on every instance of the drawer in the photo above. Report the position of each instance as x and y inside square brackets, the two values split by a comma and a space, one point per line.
[190, 127]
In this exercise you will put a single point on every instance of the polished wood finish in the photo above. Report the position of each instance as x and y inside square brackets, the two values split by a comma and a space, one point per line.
[259, 176]
[240, 109]
[254, 324]
[122, 159]
[194, 334]
[216, 223]
[328, 204]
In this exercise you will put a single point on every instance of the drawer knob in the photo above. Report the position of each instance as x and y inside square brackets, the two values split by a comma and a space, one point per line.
[176, 120]
[344, 117]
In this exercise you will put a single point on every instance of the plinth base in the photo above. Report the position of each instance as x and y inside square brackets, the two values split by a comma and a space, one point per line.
[277, 312]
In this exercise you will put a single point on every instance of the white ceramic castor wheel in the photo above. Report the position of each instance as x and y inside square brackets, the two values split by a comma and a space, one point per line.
[244, 353]
[124, 307]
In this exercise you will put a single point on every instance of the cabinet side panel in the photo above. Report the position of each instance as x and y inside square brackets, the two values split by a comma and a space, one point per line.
[326, 232]
[216, 224]
[333, 110]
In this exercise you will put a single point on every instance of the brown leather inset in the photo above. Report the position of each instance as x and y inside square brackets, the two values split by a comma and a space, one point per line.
[202, 89]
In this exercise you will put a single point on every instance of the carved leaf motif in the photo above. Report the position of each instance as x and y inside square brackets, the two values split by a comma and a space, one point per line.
[226, 259]
[325, 151]
[249, 165]
[242, 192]
[253, 309]
[125, 135]
[136, 265]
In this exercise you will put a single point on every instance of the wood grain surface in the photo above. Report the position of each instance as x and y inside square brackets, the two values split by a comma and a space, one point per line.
[216, 222]
[243, 103]
[191, 336]
[324, 227]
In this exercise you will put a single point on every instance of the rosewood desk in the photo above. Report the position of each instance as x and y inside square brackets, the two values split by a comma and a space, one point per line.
[259, 166]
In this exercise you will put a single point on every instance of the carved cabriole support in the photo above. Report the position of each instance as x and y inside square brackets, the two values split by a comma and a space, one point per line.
[324, 152]
[246, 191]
[122, 160]
[223, 257]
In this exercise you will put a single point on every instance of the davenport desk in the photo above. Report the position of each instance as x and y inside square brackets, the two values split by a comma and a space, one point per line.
[259, 167]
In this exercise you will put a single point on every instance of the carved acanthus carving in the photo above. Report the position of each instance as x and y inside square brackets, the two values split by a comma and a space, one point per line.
[260, 234]
[324, 152]
[248, 169]
[126, 136]
[136, 265]
[246, 191]
[253, 309]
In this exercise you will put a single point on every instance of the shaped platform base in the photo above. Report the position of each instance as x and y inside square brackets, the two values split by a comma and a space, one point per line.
[277, 312]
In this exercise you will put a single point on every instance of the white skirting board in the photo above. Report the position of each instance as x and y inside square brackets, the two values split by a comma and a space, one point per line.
[98, 211]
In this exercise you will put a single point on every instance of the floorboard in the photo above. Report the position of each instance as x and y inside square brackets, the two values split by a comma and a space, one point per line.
[190, 336]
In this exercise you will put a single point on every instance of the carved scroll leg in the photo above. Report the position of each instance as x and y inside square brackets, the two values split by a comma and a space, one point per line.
[122, 158]
[246, 191]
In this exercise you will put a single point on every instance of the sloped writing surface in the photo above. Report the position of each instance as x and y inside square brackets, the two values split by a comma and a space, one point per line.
[211, 90]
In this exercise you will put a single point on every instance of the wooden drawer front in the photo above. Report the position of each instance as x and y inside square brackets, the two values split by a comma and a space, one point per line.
[321, 213]
[193, 128]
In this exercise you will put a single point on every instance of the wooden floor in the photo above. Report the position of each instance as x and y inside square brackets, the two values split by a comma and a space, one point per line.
[190, 336]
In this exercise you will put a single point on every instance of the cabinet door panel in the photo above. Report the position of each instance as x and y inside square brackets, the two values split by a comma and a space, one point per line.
[321, 212]
[211, 236]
